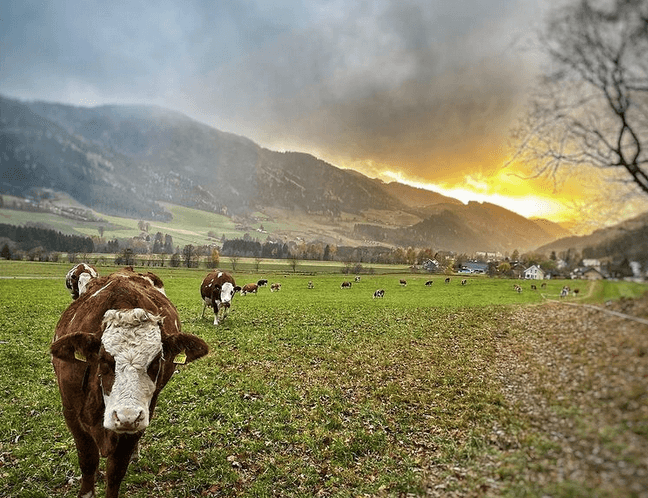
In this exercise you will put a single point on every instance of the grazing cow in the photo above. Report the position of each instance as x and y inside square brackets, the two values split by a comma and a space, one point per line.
[345, 285]
[78, 277]
[217, 290]
[379, 293]
[464, 282]
[534, 287]
[249, 289]
[447, 280]
[310, 284]
[576, 291]
[517, 288]
[564, 292]
[429, 283]
[114, 349]
[357, 278]
[544, 284]
[262, 283]
[403, 282]
[275, 287]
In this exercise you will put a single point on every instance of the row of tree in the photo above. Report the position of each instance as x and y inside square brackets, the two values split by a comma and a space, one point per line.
[29, 237]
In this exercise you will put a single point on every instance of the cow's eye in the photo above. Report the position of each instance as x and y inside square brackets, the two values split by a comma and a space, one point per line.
[154, 368]
[107, 365]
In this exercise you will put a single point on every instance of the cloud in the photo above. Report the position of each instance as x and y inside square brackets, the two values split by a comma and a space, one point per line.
[427, 88]
[422, 86]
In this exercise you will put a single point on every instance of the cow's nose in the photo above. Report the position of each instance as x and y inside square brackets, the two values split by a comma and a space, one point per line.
[128, 420]
[225, 305]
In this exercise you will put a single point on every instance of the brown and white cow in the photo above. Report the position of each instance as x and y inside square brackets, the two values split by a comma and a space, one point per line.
[403, 282]
[78, 277]
[345, 285]
[275, 287]
[115, 347]
[217, 290]
[249, 289]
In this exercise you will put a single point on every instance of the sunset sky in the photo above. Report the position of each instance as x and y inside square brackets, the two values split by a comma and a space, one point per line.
[419, 91]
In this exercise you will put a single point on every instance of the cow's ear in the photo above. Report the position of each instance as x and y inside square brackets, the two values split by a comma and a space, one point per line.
[237, 288]
[76, 347]
[185, 348]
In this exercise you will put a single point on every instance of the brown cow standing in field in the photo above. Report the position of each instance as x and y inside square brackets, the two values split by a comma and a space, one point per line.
[249, 289]
[78, 277]
[114, 349]
[217, 290]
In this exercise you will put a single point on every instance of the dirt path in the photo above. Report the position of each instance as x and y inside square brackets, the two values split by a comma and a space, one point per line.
[579, 376]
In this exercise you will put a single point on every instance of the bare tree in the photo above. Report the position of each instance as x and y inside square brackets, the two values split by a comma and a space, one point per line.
[591, 105]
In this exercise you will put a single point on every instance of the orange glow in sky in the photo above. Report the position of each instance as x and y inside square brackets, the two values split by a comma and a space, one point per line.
[506, 190]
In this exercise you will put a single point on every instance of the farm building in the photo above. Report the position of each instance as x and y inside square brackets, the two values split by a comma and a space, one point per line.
[534, 272]
[587, 273]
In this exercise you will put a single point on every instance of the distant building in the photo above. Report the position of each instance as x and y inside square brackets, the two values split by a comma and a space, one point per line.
[534, 272]
[430, 265]
[474, 267]
[517, 270]
[592, 274]
[592, 263]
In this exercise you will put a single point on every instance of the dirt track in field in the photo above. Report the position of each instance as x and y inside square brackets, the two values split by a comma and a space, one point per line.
[580, 377]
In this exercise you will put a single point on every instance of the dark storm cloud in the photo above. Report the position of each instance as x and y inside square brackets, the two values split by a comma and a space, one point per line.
[424, 86]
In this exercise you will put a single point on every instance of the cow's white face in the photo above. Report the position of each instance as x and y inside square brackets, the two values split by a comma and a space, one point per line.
[227, 293]
[78, 277]
[129, 367]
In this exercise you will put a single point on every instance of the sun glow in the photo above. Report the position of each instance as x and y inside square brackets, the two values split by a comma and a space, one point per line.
[505, 190]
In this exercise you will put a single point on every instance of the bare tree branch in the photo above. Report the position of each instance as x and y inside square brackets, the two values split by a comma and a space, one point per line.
[591, 106]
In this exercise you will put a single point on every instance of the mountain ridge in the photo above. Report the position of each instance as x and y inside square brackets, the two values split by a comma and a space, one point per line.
[131, 159]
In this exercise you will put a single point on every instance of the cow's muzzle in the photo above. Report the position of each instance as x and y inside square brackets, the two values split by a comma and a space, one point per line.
[128, 421]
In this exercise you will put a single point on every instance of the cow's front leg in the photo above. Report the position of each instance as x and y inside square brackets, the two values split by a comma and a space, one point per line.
[87, 451]
[117, 463]
[216, 311]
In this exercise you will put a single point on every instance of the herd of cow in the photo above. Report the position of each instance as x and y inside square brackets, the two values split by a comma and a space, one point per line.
[115, 348]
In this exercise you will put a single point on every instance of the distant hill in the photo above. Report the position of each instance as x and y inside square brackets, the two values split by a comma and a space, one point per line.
[129, 160]
[628, 239]
[554, 229]
[416, 197]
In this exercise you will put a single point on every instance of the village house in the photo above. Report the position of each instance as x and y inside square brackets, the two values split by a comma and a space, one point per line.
[534, 272]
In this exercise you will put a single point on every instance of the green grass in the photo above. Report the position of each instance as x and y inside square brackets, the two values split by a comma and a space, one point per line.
[304, 392]
[188, 226]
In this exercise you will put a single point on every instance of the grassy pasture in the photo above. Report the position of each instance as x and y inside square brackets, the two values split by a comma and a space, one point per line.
[305, 392]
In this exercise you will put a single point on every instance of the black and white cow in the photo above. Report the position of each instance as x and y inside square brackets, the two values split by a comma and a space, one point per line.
[429, 283]
[379, 293]
[345, 285]
[217, 290]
